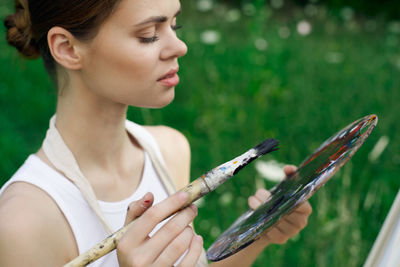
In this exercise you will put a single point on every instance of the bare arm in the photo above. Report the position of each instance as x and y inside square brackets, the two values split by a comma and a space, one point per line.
[33, 231]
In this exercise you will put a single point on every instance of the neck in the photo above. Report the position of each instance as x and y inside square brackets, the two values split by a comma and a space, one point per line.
[92, 127]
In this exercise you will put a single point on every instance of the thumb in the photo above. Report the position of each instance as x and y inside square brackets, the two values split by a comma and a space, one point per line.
[137, 208]
[289, 170]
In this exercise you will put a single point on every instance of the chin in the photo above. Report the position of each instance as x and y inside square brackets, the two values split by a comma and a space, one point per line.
[165, 103]
[161, 102]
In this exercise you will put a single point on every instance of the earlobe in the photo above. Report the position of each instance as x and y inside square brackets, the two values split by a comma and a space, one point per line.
[63, 48]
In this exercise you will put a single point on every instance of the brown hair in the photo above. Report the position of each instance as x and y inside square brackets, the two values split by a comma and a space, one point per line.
[27, 29]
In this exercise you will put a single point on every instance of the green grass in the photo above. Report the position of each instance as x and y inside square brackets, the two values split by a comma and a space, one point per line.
[300, 90]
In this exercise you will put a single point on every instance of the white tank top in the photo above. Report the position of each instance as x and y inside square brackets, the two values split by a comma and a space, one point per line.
[85, 224]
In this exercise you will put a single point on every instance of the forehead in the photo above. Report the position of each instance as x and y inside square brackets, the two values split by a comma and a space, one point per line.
[136, 11]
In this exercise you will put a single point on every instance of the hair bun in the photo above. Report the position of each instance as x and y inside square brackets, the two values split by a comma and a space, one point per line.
[19, 33]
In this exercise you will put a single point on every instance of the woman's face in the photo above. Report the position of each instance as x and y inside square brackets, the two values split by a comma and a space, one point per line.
[133, 60]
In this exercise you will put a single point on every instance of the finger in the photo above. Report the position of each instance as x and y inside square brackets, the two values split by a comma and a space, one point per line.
[298, 220]
[193, 255]
[304, 208]
[176, 248]
[153, 216]
[259, 198]
[288, 229]
[137, 208]
[276, 236]
[169, 231]
[262, 194]
[254, 202]
[289, 169]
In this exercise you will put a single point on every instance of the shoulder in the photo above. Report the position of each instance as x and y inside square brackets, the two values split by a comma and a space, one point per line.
[32, 229]
[175, 149]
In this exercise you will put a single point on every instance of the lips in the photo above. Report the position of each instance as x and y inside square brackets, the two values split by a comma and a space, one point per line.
[170, 79]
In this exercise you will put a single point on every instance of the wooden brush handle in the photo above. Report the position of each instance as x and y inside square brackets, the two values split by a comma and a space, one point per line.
[198, 188]
[195, 190]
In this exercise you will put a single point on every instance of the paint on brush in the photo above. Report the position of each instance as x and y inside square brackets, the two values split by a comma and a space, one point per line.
[222, 173]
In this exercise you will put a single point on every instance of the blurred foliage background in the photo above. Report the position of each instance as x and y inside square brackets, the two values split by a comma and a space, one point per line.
[296, 71]
[386, 8]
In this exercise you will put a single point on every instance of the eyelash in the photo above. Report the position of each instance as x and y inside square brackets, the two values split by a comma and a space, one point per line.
[176, 27]
[149, 40]
[155, 38]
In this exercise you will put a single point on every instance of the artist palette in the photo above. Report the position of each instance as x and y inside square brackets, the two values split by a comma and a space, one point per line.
[314, 172]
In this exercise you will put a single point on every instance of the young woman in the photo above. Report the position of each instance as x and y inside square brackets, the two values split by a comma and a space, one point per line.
[95, 169]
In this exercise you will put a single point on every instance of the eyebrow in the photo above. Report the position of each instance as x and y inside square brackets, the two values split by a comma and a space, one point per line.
[157, 19]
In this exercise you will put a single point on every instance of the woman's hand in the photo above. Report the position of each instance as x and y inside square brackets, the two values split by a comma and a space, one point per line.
[169, 243]
[288, 226]
[285, 228]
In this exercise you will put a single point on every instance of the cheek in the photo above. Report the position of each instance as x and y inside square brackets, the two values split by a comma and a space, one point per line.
[130, 61]
[127, 74]
[123, 65]
[141, 63]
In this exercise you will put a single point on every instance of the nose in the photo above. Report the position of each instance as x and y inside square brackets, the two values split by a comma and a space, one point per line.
[174, 47]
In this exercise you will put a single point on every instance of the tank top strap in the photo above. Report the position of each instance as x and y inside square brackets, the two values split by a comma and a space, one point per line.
[149, 144]
[62, 158]
[64, 161]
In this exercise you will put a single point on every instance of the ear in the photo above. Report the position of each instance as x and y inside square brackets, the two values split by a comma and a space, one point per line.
[64, 48]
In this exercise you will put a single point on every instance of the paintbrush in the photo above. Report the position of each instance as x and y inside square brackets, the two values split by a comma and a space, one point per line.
[201, 186]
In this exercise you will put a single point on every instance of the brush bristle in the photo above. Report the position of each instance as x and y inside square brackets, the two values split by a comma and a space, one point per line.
[267, 146]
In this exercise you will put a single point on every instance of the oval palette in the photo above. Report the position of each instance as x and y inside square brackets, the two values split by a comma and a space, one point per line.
[313, 173]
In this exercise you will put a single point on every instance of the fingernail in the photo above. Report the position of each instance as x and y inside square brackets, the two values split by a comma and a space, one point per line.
[194, 208]
[146, 198]
[145, 201]
[147, 195]
[199, 239]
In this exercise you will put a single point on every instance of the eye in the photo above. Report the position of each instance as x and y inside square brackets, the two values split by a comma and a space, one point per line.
[176, 27]
[148, 34]
[147, 40]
